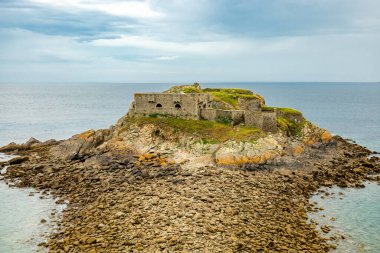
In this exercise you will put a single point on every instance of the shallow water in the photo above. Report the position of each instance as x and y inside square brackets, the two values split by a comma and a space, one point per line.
[357, 214]
[21, 212]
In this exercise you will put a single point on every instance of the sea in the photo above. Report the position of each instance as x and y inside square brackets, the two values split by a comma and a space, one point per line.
[60, 110]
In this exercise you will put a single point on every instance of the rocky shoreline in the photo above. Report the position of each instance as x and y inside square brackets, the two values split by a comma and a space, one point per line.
[139, 191]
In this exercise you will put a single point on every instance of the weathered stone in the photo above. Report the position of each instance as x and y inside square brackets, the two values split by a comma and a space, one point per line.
[357, 170]
[18, 160]
[32, 141]
[91, 240]
[326, 136]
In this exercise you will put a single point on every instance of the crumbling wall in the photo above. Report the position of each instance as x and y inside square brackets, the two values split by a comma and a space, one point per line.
[298, 118]
[208, 114]
[196, 106]
[249, 104]
[269, 123]
[253, 119]
[236, 116]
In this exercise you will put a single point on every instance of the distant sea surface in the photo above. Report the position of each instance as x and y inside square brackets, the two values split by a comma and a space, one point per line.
[58, 111]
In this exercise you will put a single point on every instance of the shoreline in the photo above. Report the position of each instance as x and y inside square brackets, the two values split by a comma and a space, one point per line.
[28, 216]
[220, 209]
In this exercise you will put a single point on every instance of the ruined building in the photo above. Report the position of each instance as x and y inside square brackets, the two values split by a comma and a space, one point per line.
[202, 106]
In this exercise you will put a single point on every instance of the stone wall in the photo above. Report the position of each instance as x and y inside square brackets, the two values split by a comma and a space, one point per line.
[253, 119]
[237, 116]
[269, 122]
[249, 104]
[298, 118]
[266, 121]
[208, 114]
[182, 105]
[198, 106]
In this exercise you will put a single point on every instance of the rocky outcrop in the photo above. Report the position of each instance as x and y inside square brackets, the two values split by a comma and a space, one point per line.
[32, 142]
[148, 188]
[81, 146]
[156, 202]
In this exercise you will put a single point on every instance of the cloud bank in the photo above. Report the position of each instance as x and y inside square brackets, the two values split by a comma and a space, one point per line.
[189, 40]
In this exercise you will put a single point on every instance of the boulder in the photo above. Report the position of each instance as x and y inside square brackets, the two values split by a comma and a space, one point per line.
[67, 150]
[18, 160]
[326, 136]
[10, 147]
[32, 141]
[80, 145]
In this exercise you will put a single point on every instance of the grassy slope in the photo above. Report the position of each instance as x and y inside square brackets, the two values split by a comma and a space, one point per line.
[206, 130]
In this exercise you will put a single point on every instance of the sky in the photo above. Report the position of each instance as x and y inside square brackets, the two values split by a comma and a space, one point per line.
[189, 40]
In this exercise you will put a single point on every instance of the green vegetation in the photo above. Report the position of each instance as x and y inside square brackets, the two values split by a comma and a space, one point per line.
[267, 109]
[224, 120]
[289, 111]
[227, 95]
[228, 90]
[286, 111]
[191, 89]
[154, 115]
[195, 88]
[231, 96]
[290, 127]
[206, 130]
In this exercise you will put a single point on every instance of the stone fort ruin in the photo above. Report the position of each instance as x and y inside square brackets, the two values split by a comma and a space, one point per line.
[198, 104]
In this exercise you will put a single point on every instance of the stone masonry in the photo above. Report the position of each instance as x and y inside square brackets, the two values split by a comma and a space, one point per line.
[200, 106]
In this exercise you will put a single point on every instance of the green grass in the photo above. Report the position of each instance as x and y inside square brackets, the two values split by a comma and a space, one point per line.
[208, 130]
[290, 127]
[231, 98]
[267, 109]
[229, 90]
[154, 115]
[226, 95]
[191, 89]
[224, 120]
[289, 111]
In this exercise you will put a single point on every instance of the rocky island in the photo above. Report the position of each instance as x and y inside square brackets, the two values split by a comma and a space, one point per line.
[192, 170]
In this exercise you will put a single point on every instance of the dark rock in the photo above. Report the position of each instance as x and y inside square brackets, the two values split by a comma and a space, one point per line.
[18, 160]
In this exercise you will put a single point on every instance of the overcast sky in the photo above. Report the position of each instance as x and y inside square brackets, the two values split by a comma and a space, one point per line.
[189, 40]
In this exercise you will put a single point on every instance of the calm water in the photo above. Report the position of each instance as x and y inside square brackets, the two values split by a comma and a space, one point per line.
[357, 214]
[59, 111]
[20, 218]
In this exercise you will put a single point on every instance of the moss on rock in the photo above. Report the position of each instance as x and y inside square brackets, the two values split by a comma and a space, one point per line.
[289, 111]
[290, 127]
